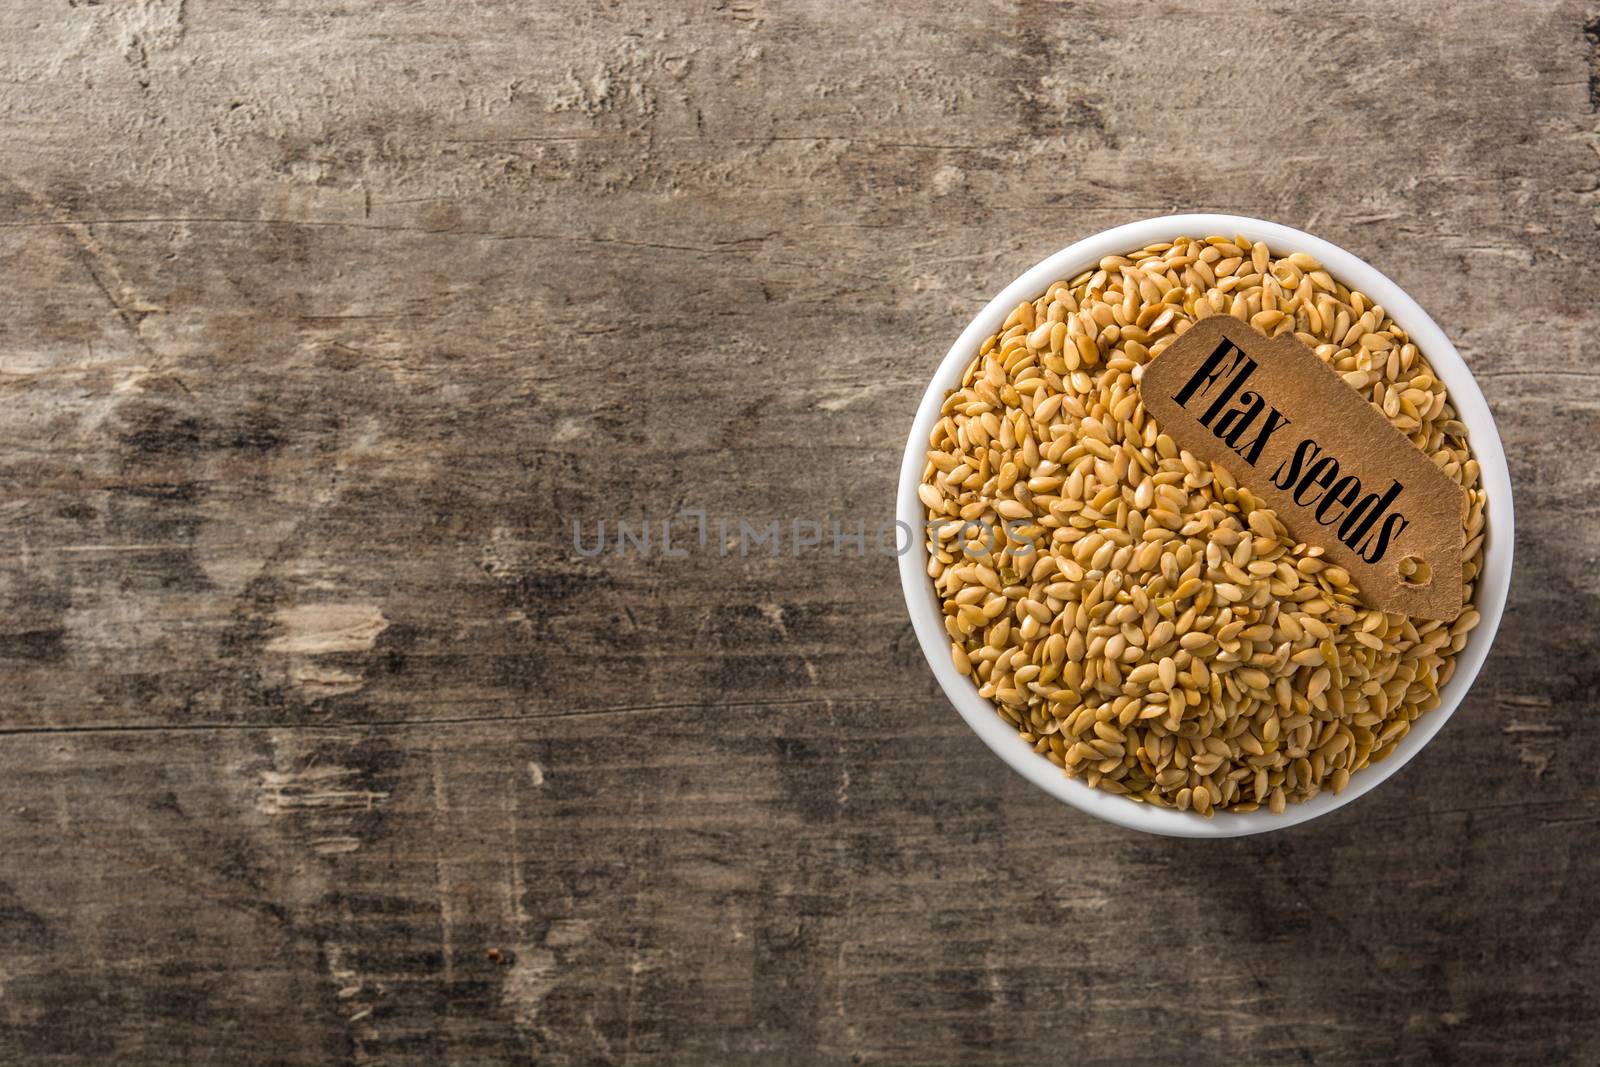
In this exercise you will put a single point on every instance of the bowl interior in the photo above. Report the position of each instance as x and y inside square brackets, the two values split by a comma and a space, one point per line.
[1492, 585]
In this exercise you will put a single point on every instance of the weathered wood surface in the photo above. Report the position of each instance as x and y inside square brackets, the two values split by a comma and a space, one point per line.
[324, 321]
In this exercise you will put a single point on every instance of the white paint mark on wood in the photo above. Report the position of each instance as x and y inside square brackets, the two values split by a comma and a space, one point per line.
[837, 401]
[315, 681]
[529, 981]
[441, 823]
[566, 932]
[349, 985]
[568, 430]
[317, 788]
[314, 629]
[947, 179]
[333, 846]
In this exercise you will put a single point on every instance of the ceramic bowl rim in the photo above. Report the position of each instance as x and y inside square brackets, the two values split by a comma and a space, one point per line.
[1493, 584]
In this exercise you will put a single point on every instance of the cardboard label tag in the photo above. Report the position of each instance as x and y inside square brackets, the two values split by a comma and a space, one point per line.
[1289, 429]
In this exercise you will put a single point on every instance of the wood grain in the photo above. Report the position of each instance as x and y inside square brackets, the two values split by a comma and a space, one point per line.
[320, 742]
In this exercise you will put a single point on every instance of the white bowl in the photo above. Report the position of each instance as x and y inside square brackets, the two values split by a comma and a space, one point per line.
[1492, 584]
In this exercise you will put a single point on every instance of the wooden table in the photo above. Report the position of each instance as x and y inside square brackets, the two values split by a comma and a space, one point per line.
[325, 323]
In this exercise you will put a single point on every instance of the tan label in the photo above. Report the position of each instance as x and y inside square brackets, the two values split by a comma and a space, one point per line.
[1287, 427]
